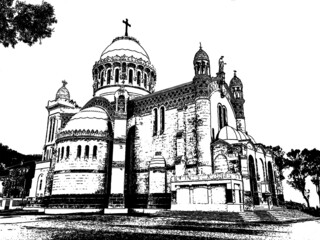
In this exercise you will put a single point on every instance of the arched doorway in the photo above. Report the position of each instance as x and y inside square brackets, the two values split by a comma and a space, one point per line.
[253, 181]
[271, 183]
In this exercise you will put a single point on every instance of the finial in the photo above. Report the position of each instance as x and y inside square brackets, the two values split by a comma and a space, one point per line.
[235, 72]
[127, 24]
[64, 83]
[200, 46]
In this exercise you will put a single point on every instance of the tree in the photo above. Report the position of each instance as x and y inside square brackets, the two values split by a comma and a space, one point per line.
[280, 160]
[313, 160]
[24, 22]
[298, 161]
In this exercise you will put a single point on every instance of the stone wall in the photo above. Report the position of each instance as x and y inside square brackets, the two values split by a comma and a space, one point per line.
[82, 175]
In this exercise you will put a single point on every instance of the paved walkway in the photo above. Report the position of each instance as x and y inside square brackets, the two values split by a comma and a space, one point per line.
[143, 227]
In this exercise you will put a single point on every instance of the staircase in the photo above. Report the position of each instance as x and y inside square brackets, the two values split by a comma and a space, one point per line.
[289, 215]
[249, 216]
[279, 215]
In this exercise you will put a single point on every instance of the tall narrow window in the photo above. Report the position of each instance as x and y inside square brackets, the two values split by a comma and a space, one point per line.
[50, 129]
[155, 121]
[86, 153]
[53, 127]
[263, 170]
[40, 185]
[68, 151]
[225, 117]
[94, 155]
[117, 75]
[257, 170]
[108, 76]
[58, 157]
[79, 152]
[130, 76]
[145, 80]
[62, 153]
[162, 120]
[101, 78]
[220, 116]
[139, 78]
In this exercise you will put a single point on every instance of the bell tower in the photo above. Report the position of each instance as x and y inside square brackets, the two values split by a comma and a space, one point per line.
[237, 101]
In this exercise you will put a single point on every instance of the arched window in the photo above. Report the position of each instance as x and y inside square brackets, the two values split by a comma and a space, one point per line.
[108, 76]
[130, 76]
[155, 121]
[79, 151]
[95, 148]
[225, 116]
[117, 75]
[86, 153]
[101, 78]
[162, 120]
[62, 153]
[58, 157]
[139, 78]
[145, 80]
[68, 151]
[121, 103]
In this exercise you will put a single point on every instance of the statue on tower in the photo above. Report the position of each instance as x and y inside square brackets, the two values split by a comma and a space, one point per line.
[221, 65]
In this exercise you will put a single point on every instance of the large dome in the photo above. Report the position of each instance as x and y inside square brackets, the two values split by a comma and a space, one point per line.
[92, 118]
[125, 46]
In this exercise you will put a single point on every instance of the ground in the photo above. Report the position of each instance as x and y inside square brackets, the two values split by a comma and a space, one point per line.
[147, 227]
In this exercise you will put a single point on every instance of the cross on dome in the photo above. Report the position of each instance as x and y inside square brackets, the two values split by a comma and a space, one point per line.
[64, 83]
[127, 24]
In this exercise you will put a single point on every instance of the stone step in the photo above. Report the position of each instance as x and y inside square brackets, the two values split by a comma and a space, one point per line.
[249, 216]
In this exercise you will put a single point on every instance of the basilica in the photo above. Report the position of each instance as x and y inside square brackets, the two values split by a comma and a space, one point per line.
[131, 147]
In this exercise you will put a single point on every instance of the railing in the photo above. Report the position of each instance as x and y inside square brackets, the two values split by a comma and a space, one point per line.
[214, 176]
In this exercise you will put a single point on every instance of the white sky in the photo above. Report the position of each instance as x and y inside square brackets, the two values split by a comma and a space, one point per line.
[274, 46]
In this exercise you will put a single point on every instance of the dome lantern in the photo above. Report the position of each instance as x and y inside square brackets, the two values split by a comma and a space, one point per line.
[236, 86]
[63, 92]
[201, 62]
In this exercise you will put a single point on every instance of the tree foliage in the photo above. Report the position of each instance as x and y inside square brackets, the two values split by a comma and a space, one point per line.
[24, 22]
[280, 160]
[300, 170]
[11, 157]
[313, 160]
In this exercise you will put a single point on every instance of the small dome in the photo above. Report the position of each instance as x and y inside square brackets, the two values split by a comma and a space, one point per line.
[228, 133]
[127, 46]
[92, 118]
[235, 81]
[63, 92]
[200, 56]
